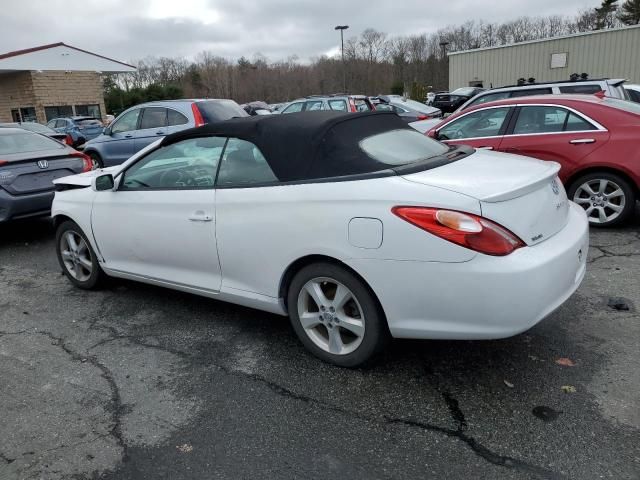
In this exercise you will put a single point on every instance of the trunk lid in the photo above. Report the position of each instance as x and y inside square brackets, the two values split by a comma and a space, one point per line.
[522, 194]
[37, 174]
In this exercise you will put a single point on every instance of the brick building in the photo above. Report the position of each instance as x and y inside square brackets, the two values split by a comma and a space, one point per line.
[57, 80]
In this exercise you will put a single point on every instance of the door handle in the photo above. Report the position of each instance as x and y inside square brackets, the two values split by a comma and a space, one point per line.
[485, 148]
[128, 135]
[581, 141]
[159, 132]
[200, 216]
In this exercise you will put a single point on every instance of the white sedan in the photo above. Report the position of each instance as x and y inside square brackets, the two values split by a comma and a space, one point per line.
[355, 225]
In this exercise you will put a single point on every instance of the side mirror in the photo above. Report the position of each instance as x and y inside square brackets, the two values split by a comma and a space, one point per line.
[103, 183]
[106, 131]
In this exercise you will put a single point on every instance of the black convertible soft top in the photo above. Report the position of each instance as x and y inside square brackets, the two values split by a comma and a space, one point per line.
[306, 145]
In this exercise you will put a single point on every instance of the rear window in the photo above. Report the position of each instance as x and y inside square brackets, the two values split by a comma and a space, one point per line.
[88, 122]
[401, 147]
[26, 142]
[36, 127]
[213, 111]
[361, 105]
[417, 106]
[625, 105]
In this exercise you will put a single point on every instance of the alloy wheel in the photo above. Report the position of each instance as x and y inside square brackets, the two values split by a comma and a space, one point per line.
[76, 256]
[331, 316]
[603, 200]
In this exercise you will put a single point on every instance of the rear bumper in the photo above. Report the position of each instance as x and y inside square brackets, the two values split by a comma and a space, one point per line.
[14, 207]
[486, 297]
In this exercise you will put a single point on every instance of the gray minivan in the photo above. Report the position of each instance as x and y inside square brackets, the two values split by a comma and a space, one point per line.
[143, 124]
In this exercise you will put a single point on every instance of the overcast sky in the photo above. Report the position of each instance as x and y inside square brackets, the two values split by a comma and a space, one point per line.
[132, 29]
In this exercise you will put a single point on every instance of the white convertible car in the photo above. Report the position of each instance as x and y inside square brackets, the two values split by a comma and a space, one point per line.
[355, 225]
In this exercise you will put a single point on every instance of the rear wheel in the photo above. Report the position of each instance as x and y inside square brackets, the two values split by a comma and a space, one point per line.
[96, 160]
[77, 258]
[335, 315]
[607, 198]
[79, 141]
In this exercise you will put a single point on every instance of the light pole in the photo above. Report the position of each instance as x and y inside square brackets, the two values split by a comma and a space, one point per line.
[444, 45]
[342, 28]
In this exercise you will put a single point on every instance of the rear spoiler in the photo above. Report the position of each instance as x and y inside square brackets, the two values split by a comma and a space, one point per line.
[617, 82]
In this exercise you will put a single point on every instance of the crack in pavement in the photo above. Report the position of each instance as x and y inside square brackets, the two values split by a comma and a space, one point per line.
[117, 408]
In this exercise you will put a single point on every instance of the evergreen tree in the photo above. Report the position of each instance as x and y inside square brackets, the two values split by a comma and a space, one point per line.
[605, 15]
[630, 12]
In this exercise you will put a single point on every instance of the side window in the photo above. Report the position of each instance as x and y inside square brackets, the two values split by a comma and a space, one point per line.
[576, 124]
[581, 89]
[153, 117]
[528, 92]
[361, 105]
[176, 118]
[294, 107]
[490, 97]
[51, 124]
[243, 165]
[483, 123]
[634, 95]
[127, 122]
[313, 106]
[187, 165]
[339, 105]
[540, 120]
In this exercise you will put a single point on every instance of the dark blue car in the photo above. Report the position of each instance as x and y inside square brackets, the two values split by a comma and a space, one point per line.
[81, 129]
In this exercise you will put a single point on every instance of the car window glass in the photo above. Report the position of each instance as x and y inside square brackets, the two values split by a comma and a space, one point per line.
[339, 105]
[24, 142]
[176, 118]
[361, 105]
[187, 165]
[153, 117]
[483, 123]
[243, 165]
[528, 92]
[576, 123]
[385, 107]
[61, 124]
[401, 147]
[582, 89]
[294, 107]
[540, 120]
[634, 95]
[312, 106]
[52, 124]
[127, 122]
[491, 97]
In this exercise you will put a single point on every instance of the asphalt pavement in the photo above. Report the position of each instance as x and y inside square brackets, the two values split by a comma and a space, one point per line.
[139, 382]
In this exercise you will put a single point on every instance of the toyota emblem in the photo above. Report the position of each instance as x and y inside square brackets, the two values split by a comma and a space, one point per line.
[43, 164]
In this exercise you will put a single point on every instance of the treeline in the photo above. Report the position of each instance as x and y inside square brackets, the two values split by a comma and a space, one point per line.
[375, 62]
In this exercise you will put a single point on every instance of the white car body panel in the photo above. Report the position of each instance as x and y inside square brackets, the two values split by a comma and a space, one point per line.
[428, 287]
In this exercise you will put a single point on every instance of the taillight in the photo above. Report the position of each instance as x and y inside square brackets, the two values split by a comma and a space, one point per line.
[352, 105]
[197, 116]
[68, 140]
[422, 117]
[2, 162]
[87, 164]
[464, 229]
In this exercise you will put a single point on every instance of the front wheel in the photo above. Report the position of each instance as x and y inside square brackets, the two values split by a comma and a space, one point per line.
[96, 161]
[77, 258]
[335, 315]
[607, 198]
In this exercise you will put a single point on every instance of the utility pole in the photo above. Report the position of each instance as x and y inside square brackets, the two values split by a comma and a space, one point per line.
[342, 28]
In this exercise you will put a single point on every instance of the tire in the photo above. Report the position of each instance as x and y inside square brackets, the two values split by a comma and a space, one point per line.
[96, 160]
[606, 192]
[80, 265]
[358, 322]
[79, 141]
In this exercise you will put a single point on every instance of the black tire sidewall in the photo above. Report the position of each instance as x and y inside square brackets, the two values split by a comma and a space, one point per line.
[96, 158]
[630, 197]
[96, 272]
[376, 330]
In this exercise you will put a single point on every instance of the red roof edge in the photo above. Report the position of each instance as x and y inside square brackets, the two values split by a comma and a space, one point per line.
[58, 44]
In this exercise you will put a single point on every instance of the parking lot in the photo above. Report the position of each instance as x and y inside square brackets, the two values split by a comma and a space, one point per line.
[136, 381]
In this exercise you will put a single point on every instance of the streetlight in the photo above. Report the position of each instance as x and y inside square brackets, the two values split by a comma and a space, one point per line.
[342, 28]
[444, 44]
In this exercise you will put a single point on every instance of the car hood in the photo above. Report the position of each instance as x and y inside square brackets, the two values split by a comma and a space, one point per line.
[489, 176]
[84, 179]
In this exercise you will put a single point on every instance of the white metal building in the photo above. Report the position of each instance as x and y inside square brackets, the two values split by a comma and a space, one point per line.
[613, 53]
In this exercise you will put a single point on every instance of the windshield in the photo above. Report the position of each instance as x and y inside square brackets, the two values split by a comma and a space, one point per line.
[26, 142]
[401, 147]
[35, 127]
[627, 106]
[88, 122]
[417, 106]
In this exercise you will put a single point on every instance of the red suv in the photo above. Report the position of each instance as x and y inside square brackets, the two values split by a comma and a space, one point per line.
[596, 141]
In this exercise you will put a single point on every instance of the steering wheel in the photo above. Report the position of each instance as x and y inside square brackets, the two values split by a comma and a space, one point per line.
[171, 178]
